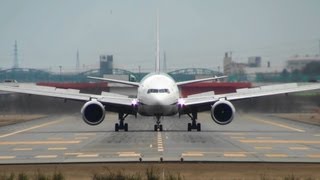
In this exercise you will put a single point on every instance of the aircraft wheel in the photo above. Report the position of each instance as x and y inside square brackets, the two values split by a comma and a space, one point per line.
[155, 127]
[198, 127]
[189, 126]
[126, 127]
[160, 127]
[116, 127]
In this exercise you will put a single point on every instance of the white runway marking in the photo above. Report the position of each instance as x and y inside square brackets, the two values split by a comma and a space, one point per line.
[46, 156]
[31, 128]
[159, 142]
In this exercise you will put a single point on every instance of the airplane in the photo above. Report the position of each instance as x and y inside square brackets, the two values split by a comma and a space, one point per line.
[158, 95]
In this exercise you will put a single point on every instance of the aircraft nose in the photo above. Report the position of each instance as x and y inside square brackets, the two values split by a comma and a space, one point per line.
[161, 99]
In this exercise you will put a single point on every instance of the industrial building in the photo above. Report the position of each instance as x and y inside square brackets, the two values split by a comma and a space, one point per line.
[299, 62]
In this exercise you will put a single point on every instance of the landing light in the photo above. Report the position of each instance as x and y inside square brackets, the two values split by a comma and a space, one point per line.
[181, 102]
[134, 102]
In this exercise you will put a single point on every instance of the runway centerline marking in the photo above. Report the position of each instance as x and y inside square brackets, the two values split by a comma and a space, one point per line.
[37, 142]
[159, 142]
[274, 124]
[31, 128]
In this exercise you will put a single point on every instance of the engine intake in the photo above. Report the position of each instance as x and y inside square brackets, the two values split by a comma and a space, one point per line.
[222, 112]
[93, 112]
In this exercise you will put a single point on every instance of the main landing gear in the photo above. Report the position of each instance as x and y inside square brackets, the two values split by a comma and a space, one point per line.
[194, 125]
[158, 126]
[121, 125]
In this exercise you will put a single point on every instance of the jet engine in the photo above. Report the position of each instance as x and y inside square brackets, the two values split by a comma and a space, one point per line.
[222, 112]
[93, 112]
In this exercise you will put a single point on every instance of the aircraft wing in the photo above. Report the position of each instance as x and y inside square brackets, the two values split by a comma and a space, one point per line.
[115, 81]
[204, 100]
[200, 80]
[113, 102]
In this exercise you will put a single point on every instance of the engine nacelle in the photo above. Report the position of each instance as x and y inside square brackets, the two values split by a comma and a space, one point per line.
[222, 112]
[93, 112]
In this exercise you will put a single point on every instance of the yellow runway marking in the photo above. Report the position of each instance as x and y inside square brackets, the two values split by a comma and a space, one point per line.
[31, 128]
[276, 155]
[57, 148]
[275, 124]
[72, 154]
[85, 134]
[7, 157]
[298, 148]
[128, 154]
[234, 134]
[55, 138]
[234, 155]
[37, 142]
[237, 137]
[264, 137]
[46, 156]
[279, 141]
[22, 149]
[81, 138]
[314, 155]
[87, 155]
[192, 154]
[263, 147]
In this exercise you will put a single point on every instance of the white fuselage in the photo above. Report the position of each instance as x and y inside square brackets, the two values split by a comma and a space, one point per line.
[158, 94]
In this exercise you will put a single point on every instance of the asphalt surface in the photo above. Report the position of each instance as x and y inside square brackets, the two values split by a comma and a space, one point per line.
[249, 138]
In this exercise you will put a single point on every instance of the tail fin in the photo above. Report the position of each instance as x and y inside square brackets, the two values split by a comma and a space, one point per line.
[158, 46]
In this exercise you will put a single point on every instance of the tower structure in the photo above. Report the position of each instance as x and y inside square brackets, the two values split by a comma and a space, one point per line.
[78, 62]
[164, 62]
[15, 55]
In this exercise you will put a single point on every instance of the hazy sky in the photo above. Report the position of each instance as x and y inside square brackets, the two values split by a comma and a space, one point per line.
[194, 33]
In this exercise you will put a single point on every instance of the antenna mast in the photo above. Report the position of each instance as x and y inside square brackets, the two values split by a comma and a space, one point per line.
[158, 46]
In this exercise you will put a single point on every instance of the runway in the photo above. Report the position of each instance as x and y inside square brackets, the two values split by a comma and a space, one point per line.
[249, 138]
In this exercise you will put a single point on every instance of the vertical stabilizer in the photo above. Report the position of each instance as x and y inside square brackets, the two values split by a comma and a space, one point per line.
[158, 46]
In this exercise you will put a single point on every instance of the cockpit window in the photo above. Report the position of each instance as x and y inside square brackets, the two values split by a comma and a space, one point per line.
[158, 91]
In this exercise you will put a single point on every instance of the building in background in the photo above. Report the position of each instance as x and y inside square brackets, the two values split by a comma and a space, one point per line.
[106, 64]
[230, 67]
[254, 61]
[299, 62]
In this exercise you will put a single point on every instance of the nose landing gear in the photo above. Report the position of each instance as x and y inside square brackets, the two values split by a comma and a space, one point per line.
[158, 125]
